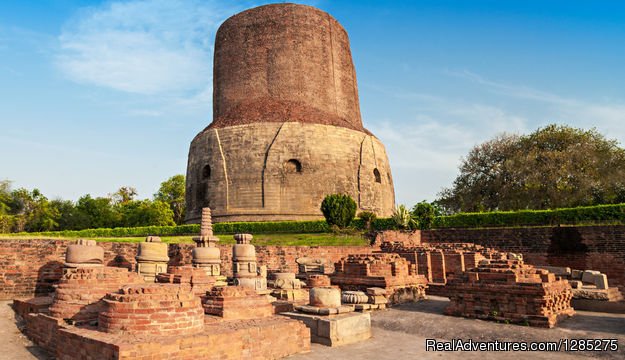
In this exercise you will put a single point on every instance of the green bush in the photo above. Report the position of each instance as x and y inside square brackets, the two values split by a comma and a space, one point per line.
[402, 218]
[424, 213]
[367, 218]
[295, 227]
[338, 209]
[580, 215]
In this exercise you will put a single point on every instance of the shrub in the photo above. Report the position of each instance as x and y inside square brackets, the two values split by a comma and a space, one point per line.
[338, 209]
[579, 215]
[367, 218]
[402, 218]
[424, 213]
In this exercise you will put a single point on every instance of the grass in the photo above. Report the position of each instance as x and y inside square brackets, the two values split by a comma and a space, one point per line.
[315, 239]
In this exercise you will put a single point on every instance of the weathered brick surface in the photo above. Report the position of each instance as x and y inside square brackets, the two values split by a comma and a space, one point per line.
[195, 277]
[237, 302]
[32, 267]
[156, 309]
[79, 294]
[389, 271]
[599, 248]
[268, 338]
[509, 290]
[292, 99]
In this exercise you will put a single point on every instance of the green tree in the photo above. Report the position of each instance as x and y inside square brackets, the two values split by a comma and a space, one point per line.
[338, 209]
[553, 167]
[95, 213]
[124, 195]
[147, 213]
[424, 213]
[5, 197]
[172, 192]
[32, 211]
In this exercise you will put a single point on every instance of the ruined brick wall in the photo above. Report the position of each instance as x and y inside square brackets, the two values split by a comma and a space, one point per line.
[32, 267]
[286, 127]
[282, 171]
[599, 248]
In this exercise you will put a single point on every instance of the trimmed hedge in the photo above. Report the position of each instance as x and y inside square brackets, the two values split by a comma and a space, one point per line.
[586, 214]
[580, 215]
[194, 229]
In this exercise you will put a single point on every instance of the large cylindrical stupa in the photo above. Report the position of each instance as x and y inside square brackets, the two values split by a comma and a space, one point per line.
[286, 127]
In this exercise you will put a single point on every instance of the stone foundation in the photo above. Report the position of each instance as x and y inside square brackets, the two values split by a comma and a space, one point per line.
[335, 330]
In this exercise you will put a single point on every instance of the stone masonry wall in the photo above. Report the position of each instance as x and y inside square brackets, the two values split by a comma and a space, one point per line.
[248, 172]
[32, 267]
[599, 248]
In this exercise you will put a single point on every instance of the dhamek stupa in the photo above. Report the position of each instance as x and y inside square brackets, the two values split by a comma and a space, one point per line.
[286, 127]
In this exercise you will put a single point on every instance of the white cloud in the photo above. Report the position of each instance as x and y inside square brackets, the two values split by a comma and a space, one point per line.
[607, 117]
[144, 46]
[425, 152]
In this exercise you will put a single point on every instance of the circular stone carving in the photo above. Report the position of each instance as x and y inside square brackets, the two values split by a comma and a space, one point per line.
[354, 297]
[326, 297]
[206, 255]
[152, 251]
[84, 252]
[243, 252]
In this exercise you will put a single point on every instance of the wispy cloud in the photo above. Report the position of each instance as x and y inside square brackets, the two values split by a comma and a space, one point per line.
[607, 117]
[144, 46]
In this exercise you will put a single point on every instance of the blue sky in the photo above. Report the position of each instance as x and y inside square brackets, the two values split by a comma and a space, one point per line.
[97, 95]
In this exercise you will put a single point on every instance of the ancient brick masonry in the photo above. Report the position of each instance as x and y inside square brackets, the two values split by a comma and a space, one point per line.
[388, 271]
[509, 290]
[154, 308]
[286, 127]
[440, 261]
[79, 293]
[237, 302]
[196, 278]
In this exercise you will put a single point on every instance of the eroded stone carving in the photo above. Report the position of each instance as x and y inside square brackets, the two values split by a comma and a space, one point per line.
[84, 253]
[152, 258]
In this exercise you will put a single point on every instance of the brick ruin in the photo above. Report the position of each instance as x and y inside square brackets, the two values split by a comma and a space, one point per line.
[388, 271]
[101, 312]
[510, 291]
[111, 312]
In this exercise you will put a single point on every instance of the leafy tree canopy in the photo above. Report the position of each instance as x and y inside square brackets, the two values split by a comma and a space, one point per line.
[172, 192]
[553, 167]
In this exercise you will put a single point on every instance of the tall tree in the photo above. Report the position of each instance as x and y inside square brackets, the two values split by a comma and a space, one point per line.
[555, 166]
[172, 193]
[124, 195]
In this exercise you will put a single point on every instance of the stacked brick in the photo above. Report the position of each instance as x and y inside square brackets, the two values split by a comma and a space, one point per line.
[388, 271]
[510, 291]
[195, 277]
[155, 309]
[237, 302]
[440, 262]
[78, 296]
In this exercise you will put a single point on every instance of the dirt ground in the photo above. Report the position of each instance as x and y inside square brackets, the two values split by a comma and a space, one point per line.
[401, 333]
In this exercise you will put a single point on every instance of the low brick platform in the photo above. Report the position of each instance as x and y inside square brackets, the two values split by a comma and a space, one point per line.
[268, 338]
[34, 305]
[510, 291]
[237, 302]
[195, 277]
[78, 295]
[387, 271]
